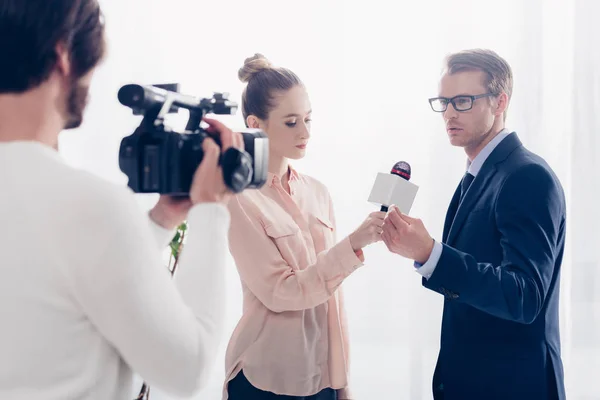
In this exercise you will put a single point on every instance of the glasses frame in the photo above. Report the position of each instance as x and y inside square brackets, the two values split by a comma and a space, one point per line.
[453, 101]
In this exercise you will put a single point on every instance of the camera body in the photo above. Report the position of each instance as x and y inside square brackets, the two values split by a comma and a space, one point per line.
[156, 159]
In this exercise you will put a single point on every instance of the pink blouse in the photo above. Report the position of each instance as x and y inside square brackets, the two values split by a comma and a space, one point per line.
[292, 338]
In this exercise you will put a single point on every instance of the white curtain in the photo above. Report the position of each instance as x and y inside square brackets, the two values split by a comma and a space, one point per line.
[369, 68]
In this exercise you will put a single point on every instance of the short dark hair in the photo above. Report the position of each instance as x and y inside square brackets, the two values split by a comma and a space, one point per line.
[263, 81]
[30, 30]
[499, 77]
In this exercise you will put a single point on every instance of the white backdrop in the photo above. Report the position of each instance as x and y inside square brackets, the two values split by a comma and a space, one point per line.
[369, 68]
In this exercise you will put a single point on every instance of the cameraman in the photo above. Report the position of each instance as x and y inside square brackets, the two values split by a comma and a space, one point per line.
[84, 296]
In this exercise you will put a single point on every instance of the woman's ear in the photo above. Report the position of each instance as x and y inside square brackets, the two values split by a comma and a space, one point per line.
[252, 122]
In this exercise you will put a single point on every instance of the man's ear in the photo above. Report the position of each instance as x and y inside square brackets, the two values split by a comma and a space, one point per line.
[502, 104]
[63, 61]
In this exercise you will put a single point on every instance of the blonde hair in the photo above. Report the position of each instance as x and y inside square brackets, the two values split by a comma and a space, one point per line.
[263, 80]
[499, 77]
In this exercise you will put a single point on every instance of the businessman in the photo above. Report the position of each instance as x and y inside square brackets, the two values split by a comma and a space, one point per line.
[498, 264]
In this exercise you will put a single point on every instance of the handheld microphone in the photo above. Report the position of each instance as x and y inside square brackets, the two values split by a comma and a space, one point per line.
[401, 169]
[394, 188]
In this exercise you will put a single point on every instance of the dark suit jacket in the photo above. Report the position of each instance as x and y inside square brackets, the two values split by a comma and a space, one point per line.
[500, 274]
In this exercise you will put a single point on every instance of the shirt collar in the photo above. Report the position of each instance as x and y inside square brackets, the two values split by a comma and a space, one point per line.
[272, 179]
[473, 167]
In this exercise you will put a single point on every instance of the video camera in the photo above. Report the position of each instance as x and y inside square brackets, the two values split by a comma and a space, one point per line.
[157, 159]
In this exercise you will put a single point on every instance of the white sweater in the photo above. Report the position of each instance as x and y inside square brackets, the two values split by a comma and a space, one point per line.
[85, 296]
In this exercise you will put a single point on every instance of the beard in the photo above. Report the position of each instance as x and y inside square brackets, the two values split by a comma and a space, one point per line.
[76, 101]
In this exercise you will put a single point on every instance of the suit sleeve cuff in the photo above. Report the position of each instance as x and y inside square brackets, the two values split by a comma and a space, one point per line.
[426, 270]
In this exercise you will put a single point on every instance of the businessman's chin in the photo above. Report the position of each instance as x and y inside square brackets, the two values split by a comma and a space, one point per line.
[456, 140]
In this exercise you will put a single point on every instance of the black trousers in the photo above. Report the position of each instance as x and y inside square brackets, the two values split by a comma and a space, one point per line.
[240, 389]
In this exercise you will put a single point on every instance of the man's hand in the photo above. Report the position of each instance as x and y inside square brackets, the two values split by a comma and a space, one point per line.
[207, 184]
[406, 236]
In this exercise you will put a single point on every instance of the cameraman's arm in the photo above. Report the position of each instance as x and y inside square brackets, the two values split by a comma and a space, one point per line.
[163, 235]
[168, 336]
[166, 216]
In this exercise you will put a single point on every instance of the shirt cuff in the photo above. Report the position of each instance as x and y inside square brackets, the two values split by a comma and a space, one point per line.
[361, 256]
[427, 269]
[348, 259]
[214, 215]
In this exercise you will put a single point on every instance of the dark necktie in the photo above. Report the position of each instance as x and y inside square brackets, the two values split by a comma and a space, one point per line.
[465, 183]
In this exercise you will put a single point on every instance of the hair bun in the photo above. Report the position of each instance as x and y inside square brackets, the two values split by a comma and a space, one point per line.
[252, 66]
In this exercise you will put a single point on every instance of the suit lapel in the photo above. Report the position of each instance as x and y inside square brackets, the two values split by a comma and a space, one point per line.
[480, 184]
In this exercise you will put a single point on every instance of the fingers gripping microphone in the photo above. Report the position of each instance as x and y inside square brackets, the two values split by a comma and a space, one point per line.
[394, 188]
[401, 169]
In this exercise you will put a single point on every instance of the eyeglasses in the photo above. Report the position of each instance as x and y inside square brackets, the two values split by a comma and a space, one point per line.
[460, 103]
